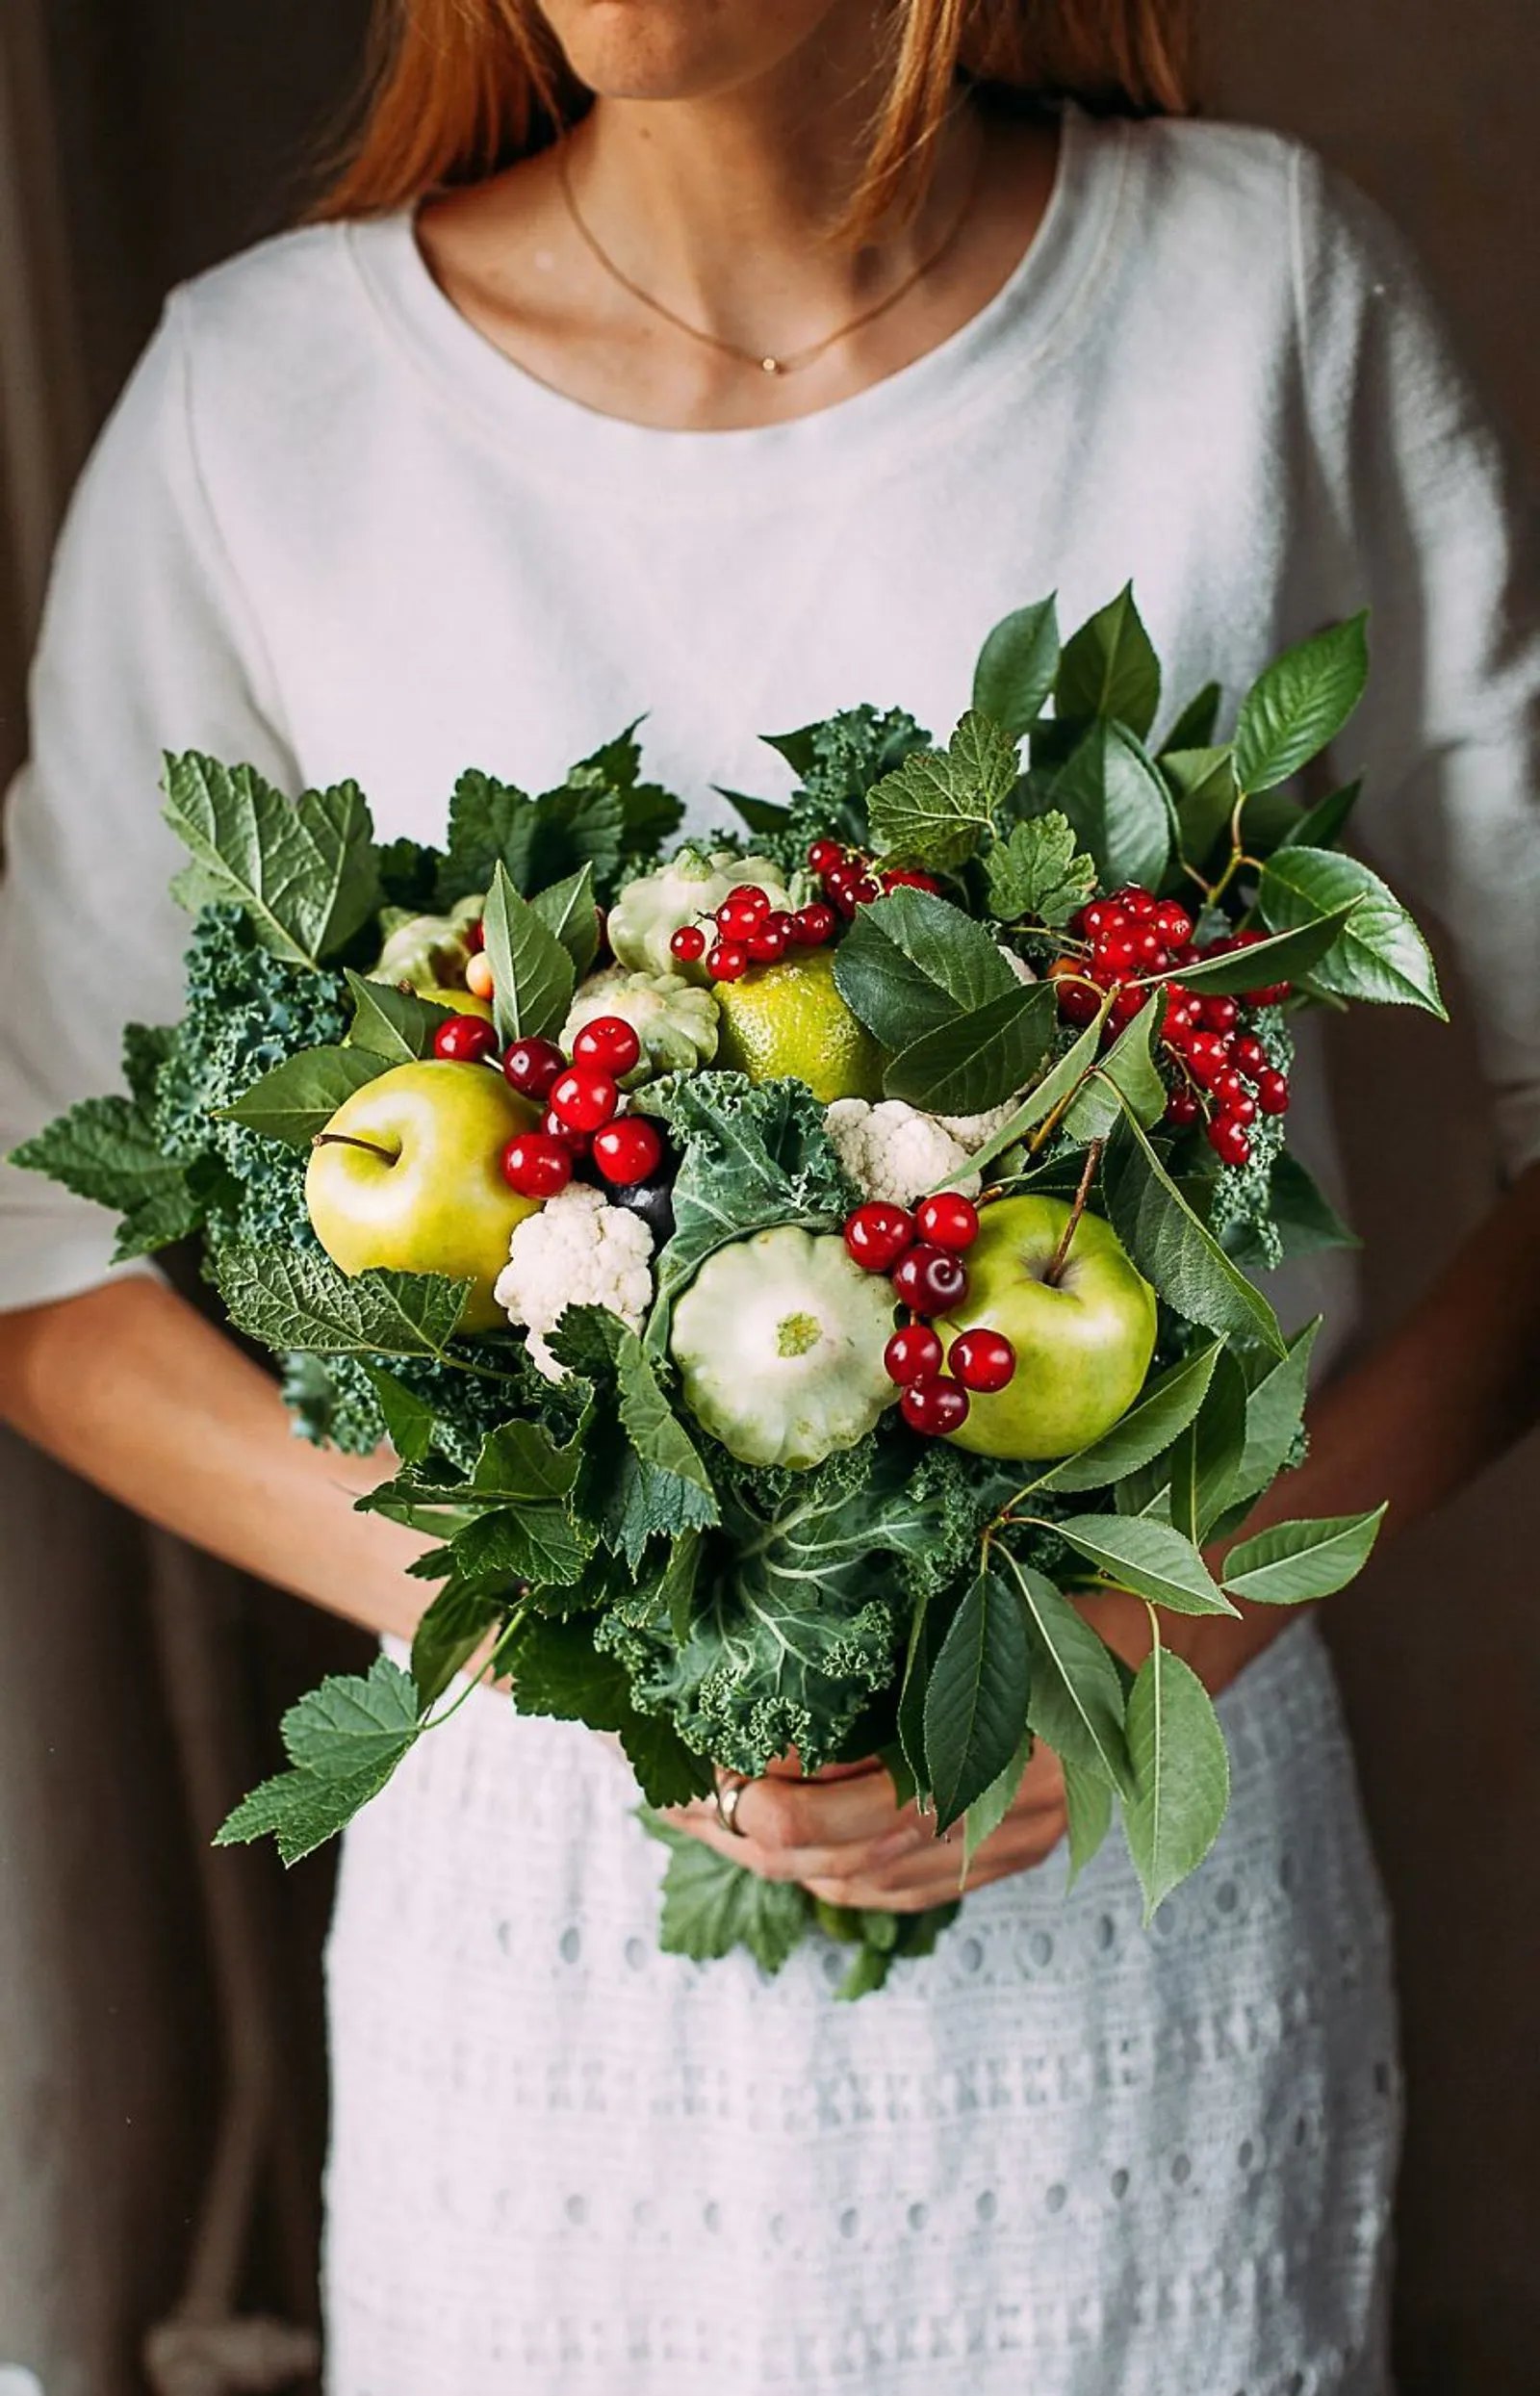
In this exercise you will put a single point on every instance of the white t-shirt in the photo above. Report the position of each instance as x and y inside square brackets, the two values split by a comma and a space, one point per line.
[332, 531]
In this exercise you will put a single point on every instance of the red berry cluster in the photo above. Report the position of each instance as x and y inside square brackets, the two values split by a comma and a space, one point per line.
[749, 931]
[581, 1099]
[1133, 935]
[851, 880]
[923, 1254]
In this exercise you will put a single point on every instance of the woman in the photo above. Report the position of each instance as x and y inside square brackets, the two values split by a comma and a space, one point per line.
[797, 360]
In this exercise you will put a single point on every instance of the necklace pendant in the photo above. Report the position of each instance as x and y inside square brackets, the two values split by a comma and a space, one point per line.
[769, 366]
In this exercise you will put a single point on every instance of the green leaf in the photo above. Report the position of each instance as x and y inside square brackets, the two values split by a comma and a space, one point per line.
[567, 908]
[1077, 1698]
[1109, 668]
[1050, 1093]
[1203, 781]
[913, 963]
[448, 1635]
[293, 1298]
[976, 1703]
[521, 1464]
[1379, 954]
[301, 1811]
[1295, 1562]
[1273, 1413]
[107, 1150]
[760, 815]
[1039, 871]
[344, 1739]
[536, 841]
[1206, 1457]
[799, 748]
[393, 1024]
[298, 1097]
[667, 1771]
[988, 1811]
[304, 869]
[1118, 805]
[1301, 704]
[1088, 1808]
[1014, 677]
[1284, 958]
[1181, 1775]
[677, 1487]
[1164, 1410]
[981, 1059]
[1127, 1078]
[557, 1673]
[935, 808]
[711, 1905]
[409, 1420]
[532, 978]
[1304, 1213]
[1193, 728]
[1150, 1558]
[1321, 826]
[1172, 1248]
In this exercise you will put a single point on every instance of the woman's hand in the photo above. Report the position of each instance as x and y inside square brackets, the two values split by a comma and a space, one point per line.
[845, 1838]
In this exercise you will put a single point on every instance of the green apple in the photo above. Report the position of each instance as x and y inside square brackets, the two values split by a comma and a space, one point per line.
[408, 1175]
[1083, 1342]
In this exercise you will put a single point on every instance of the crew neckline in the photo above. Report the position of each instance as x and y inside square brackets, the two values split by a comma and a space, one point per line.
[1026, 319]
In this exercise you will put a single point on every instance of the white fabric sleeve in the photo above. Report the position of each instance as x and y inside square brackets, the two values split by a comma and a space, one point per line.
[1438, 530]
[146, 645]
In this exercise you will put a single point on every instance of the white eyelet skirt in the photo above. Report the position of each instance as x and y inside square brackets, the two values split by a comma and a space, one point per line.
[1061, 2157]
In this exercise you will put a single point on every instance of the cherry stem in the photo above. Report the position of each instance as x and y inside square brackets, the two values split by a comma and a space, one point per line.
[346, 1140]
[1062, 1252]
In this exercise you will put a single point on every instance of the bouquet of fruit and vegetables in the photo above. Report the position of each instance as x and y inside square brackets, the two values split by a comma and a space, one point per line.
[789, 1266]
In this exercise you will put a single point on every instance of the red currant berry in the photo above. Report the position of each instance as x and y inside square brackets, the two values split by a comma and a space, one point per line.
[1115, 957]
[769, 941]
[475, 937]
[865, 890]
[930, 1279]
[688, 944]
[1273, 1091]
[1182, 1109]
[1241, 1109]
[1078, 1003]
[838, 877]
[812, 926]
[728, 961]
[949, 1220]
[906, 878]
[607, 1041]
[1249, 1055]
[737, 920]
[465, 1040]
[935, 1407]
[878, 1233]
[538, 1165]
[576, 1142]
[981, 1360]
[1172, 923]
[1126, 1005]
[1272, 994]
[1103, 914]
[1228, 1139]
[823, 853]
[1149, 949]
[628, 1150]
[1207, 1056]
[750, 895]
[584, 1098]
[531, 1067]
[1135, 903]
[1220, 1014]
[912, 1355]
[1228, 1087]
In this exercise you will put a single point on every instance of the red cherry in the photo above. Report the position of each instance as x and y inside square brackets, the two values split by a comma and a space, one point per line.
[628, 1150]
[538, 1165]
[812, 926]
[531, 1067]
[769, 941]
[1249, 1055]
[728, 961]
[465, 1040]
[1172, 923]
[1229, 1141]
[878, 1233]
[584, 1098]
[607, 1041]
[577, 1143]
[905, 878]
[912, 1355]
[935, 1407]
[949, 1220]
[1273, 1091]
[688, 944]
[930, 1279]
[823, 853]
[982, 1359]
[1182, 1109]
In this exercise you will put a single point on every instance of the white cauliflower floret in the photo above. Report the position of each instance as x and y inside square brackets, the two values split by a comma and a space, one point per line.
[970, 1131]
[893, 1151]
[577, 1251]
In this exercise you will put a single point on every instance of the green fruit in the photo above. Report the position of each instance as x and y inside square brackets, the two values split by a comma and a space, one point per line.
[778, 1341]
[694, 883]
[408, 1175]
[676, 1024]
[1083, 1344]
[789, 1020]
[426, 950]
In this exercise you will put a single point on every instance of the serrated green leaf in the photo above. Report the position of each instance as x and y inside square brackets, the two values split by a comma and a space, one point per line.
[1089, 1812]
[298, 1097]
[1038, 870]
[448, 1635]
[913, 963]
[1380, 954]
[1293, 1563]
[988, 1811]
[1040, 1103]
[1284, 958]
[1301, 704]
[303, 870]
[390, 1023]
[667, 1771]
[352, 1721]
[1014, 679]
[568, 909]
[106, 1149]
[409, 1420]
[1120, 809]
[1203, 783]
[293, 1298]
[1194, 727]
[1273, 1412]
[760, 815]
[1127, 1079]
[1181, 1775]
[536, 841]
[1109, 668]
[1163, 1411]
[980, 1059]
[711, 1905]
[301, 1811]
[1206, 1457]
[1321, 826]
[976, 1702]
[532, 977]
[1172, 1248]
[935, 808]
[1077, 1703]
[1152, 1558]
[676, 1486]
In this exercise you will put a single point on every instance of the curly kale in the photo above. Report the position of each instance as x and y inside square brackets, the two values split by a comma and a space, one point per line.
[1243, 1212]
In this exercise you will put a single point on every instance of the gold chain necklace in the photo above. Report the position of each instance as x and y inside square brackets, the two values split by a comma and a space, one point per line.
[767, 362]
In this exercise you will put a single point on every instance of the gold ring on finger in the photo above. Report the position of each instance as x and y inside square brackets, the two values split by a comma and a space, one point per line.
[729, 1789]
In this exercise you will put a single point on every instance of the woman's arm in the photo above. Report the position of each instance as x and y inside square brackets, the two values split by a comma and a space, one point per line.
[129, 1386]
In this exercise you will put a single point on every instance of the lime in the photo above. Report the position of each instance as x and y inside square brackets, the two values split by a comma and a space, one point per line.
[789, 1020]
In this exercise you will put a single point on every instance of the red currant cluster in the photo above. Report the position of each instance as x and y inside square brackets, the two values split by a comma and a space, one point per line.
[1133, 935]
[581, 1099]
[749, 931]
[851, 880]
[922, 1254]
